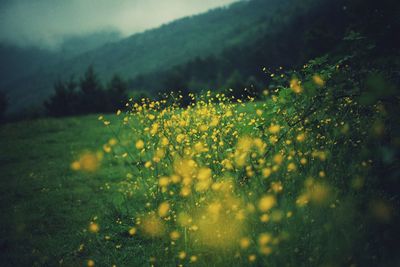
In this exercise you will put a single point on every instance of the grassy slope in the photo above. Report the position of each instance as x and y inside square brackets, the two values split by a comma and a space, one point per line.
[46, 207]
[44, 204]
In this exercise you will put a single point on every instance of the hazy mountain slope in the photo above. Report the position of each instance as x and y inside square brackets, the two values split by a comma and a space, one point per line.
[19, 62]
[23, 69]
[180, 40]
[305, 32]
[75, 45]
[157, 49]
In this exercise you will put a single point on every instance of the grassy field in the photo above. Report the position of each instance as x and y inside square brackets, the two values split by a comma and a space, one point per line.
[217, 184]
[45, 205]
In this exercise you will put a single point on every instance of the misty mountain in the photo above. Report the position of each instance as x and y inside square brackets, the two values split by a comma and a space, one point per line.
[153, 50]
[20, 62]
[223, 48]
[78, 44]
[23, 68]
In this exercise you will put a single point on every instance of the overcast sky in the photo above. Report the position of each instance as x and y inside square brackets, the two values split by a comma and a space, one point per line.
[46, 22]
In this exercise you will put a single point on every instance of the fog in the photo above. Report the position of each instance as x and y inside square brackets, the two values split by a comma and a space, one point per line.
[45, 23]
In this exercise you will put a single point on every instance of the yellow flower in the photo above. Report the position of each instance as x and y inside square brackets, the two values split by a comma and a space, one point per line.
[163, 209]
[214, 122]
[259, 144]
[266, 203]
[203, 128]
[244, 242]
[274, 128]
[301, 137]
[182, 255]
[199, 147]
[180, 138]
[94, 227]
[244, 144]
[112, 142]
[264, 239]
[266, 172]
[174, 235]
[278, 158]
[88, 162]
[132, 231]
[318, 80]
[302, 200]
[276, 187]
[295, 86]
[185, 191]
[164, 141]
[107, 148]
[139, 144]
[252, 258]
[154, 128]
[291, 167]
[175, 179]
[264, 218]
[204, 174]
[75, 166]
[163, 181]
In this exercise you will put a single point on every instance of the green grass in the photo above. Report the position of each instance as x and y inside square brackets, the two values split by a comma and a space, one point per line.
[45, 205]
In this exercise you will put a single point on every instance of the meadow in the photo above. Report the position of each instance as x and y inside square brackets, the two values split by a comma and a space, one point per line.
[265, 133]
[305, 175]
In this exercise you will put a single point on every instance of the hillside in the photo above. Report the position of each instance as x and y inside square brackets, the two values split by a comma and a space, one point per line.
[22, 72]
[306, 32]
[223, 48]
[157, 49]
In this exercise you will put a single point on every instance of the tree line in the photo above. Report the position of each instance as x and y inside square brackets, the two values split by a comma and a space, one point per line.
[87, 95]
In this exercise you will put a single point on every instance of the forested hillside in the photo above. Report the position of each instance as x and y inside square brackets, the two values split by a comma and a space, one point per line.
[289, 42]
[159, 49]
[226, 48]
